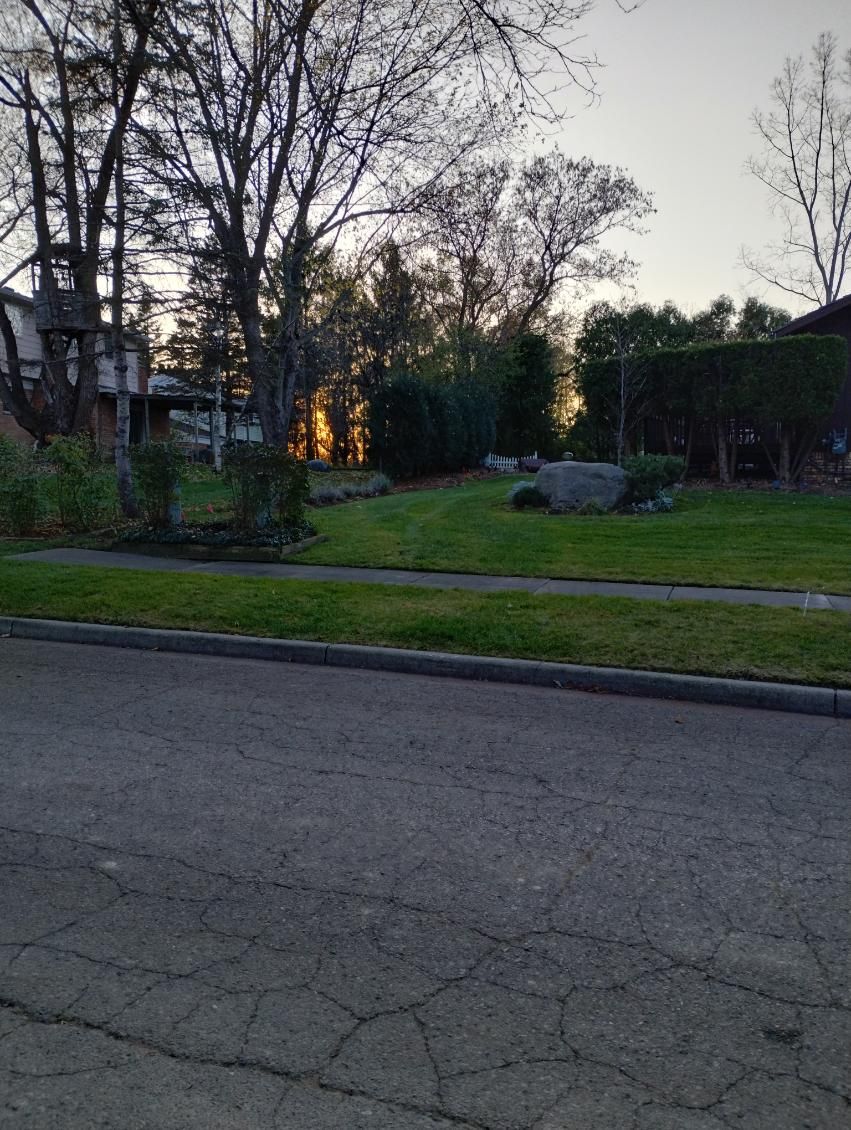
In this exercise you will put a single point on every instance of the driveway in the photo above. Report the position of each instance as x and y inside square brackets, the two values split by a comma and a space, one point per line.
[244, 895]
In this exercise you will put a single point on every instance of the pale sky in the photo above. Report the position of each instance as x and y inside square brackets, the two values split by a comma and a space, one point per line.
[681, 80]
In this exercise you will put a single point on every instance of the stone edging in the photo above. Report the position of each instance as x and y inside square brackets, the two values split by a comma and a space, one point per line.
[794, 698]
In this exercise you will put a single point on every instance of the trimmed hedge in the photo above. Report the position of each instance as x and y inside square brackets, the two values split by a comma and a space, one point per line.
[792, 382]
[418, 427]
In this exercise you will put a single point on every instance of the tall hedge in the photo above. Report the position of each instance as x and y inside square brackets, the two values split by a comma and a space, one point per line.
[418, 427]
[790, 383]
[526, 397]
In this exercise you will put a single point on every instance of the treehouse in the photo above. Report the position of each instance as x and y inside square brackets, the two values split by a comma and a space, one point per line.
[58, 304]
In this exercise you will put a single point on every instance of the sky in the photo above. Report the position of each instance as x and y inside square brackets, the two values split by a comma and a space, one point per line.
[680, 81]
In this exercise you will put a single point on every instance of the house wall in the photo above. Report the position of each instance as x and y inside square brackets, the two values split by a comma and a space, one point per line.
[29, 343]
[160, 421]
[136, 375]
[158, 418]
[9, 427]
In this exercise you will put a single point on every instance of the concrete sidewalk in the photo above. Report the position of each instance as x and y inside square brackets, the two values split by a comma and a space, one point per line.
[471, 581]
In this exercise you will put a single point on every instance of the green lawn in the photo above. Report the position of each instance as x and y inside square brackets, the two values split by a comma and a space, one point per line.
[746, 539]
[695, 638]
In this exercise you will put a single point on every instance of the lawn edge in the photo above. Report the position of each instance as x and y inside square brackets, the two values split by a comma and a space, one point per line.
[787, 697]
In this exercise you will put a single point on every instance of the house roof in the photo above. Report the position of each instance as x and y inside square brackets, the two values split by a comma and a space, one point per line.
[814, 316]
[9, 295]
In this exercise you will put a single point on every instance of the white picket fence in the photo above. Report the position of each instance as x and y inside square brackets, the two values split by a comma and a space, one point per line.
[504, 463]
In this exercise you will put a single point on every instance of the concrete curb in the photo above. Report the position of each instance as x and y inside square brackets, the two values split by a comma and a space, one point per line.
[792, 698]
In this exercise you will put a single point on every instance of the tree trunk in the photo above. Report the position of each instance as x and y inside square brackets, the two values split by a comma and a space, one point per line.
[689, 445]
[261, 375]
[785, 467]
[669, 439]
[804, 449]
[309, 438]
[772, 464]
[124, 477]
[723, 451]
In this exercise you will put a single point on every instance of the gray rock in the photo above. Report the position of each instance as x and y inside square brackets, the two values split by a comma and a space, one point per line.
[569, 485]
[318, 465]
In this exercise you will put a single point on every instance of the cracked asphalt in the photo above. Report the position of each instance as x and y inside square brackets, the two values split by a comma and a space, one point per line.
[248, 895]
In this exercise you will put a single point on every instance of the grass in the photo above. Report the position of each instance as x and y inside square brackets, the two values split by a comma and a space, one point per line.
[742, 539]
[774, 644]
[737, 538]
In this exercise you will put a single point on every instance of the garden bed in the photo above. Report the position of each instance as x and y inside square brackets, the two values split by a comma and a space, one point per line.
[194, 551]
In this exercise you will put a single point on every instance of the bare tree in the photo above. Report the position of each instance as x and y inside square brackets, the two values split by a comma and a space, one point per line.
[279, 124]
[569, 207]
[806, 166]
[59, 185]
[507, 240]
[472, 240]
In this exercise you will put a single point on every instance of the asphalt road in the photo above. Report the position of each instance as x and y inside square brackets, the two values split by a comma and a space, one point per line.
[244, 895]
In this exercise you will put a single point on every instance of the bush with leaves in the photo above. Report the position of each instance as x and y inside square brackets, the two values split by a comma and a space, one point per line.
[269, 486]
[21, 488]
[85, 489]
[648, 475]
[327, 494]
[529, 497]
[157, 472]
[661, 504]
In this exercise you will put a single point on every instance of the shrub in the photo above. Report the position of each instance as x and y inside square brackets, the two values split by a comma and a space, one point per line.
[21, 488]
[85, 489]
[378, 484]
[157, 471]
[528, 496]
[647, 475]
[269, 486]
[326, 494]
[661, 504]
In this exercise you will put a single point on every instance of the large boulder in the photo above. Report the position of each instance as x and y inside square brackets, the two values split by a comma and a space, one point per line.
[568, 486]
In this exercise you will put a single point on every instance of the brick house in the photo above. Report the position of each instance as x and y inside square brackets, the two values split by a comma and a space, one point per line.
[149, 412]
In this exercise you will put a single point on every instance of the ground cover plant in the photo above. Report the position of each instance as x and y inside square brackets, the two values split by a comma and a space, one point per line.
[749, 539]
[748, 642]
